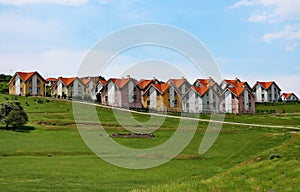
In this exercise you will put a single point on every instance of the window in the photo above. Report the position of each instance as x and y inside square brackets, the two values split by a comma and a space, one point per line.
[134, 97]
[175, 102]
[106, 98]
[187, 106]
[157, 93]
[30, 89]
[116, 88]
[38, 90]
[148, 103]
[134, 89]
[148, 93]
[38, 82]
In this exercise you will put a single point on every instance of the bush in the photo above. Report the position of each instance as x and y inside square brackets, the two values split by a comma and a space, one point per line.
[12, 113]
[40, 101]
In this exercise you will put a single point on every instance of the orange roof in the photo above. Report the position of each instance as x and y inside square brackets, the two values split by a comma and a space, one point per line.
[51, 79]
[206, 82]
[237, 90]
[120, 82]
[287, 95]
[201, 90]
[67, 81]
[266, 85]
[103, 82]
[25, 76]
[162, 87]
[85, 81]
[144, 83]
[177, 82]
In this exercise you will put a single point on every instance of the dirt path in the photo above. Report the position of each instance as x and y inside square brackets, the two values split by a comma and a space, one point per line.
[193, 119]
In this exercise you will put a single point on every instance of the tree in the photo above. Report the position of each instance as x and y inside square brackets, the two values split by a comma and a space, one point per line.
[13, 114]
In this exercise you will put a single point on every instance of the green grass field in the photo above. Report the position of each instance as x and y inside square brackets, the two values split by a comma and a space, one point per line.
[49, 155]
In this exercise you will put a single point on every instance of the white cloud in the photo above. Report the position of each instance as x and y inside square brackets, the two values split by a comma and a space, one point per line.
[51, 63]
[242, 3]
[60, 2]
[258, 18]
[276, 10]
[290, 33]
[285, 11]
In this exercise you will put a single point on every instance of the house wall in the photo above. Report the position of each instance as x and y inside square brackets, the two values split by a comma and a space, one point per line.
[111, 93]
[130, 96]
[152, 98]
[192, 102]
[19, 87]
[228, 102]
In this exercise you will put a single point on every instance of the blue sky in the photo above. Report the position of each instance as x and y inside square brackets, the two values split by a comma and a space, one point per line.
[249, 39]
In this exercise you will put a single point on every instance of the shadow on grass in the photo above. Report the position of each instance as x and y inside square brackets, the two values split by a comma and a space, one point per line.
[23, 129]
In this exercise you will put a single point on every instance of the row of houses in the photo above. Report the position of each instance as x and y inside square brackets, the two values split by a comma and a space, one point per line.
[177, 95]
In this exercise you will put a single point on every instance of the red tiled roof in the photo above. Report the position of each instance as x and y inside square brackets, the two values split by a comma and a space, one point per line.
[120, 82]
[144, 83]
[103, 82]
[201, 90]
[266, 85]
[50, 79]
[85, 81]
[287, 95]
[67, 81]
[25, 76]
[162, 87]
[206, 82]
[237, 90]
[177, 82]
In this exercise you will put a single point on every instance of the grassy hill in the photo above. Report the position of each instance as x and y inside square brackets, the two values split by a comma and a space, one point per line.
[49, 155]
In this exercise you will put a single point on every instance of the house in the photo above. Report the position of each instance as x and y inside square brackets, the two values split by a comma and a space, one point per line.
[50, 81]
[289, 97]
[143, 85]
[68, 87]
[181, 84]
[27, 83]
[227, 82]
[98, 89]
[208, 83]
[90, 86]
[122, 92]
[237, 98]
[200, 100]
[266, 91]
[163, 97]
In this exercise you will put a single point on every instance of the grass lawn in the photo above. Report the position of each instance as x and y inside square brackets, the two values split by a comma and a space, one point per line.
[51, 156]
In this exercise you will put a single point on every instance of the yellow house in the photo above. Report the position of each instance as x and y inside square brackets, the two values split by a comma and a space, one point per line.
[27, 83]
[162, 97]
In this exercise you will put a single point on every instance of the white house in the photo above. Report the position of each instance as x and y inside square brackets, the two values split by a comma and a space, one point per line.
[122, 93]
[266, 91]
[237, 98]
[181, 84]
[91, 84]
[68, 87]
[289, 97]
[200, 100]
[208, 83]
